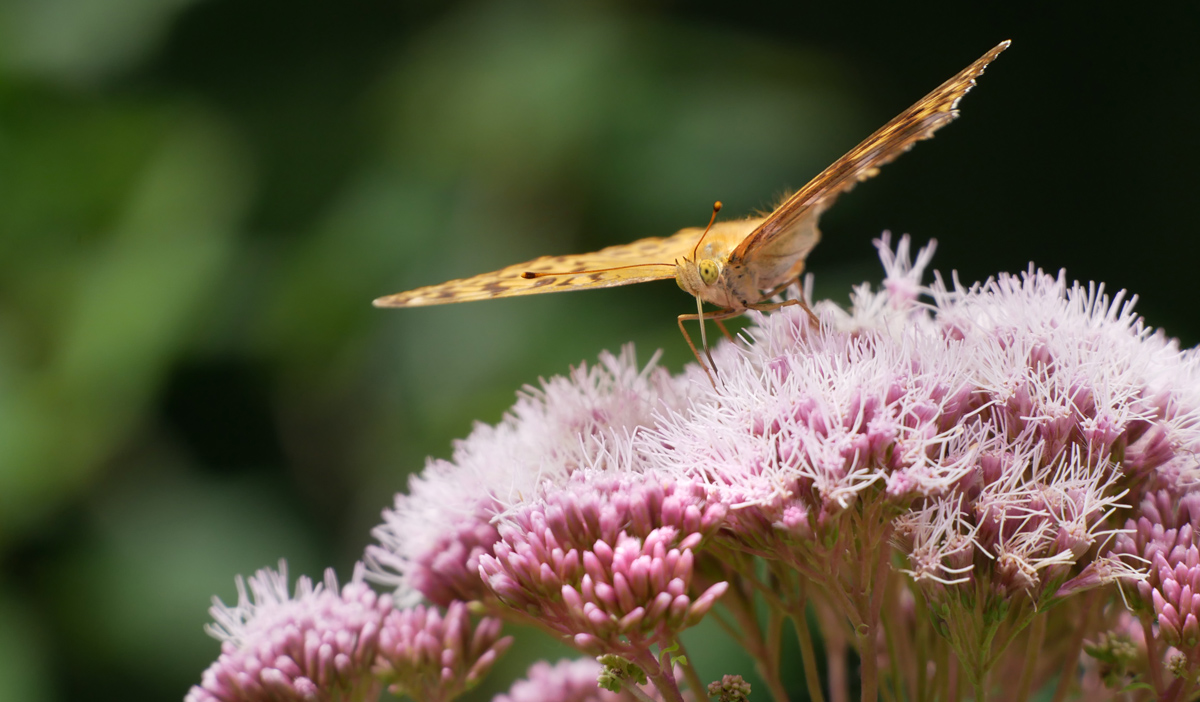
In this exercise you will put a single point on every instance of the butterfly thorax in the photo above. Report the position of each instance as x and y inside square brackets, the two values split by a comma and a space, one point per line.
[720, 274]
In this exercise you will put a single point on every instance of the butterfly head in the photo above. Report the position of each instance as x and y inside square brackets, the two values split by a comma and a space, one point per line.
[705, 279]
[699, 272]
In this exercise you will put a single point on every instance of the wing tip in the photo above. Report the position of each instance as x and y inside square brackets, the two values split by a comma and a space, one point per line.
[388, 301]
[991, 55]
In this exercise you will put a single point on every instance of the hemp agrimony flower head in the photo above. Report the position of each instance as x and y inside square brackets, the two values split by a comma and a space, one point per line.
[608, 562]
[435, 658]
[319, 644]
[1164, 538]
[567, 681]
[432, 539]
[346, 644]
[955, 480]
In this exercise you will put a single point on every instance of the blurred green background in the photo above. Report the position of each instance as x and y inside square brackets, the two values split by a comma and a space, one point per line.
[199, 199]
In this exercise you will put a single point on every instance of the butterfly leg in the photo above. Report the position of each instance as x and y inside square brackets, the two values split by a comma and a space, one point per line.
[813, 321]
[777, 291]
[721, 326]
[717, 317]
[812, 317]
[688, 337]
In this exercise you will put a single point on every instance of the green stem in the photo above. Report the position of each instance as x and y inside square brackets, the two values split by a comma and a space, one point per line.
[834, 636]
[812, 678]
[1033, 650]
[1153, 661]
[699, 689]
[868, 658]
[887, 694]
[742, 608]
[1021, 616]
[921, 668]
[1174, 693]
[663, 680]
[774, 637]
[955, 685]
[1090, 601]
[941, 674]
[906, 673]
[871, 588]
[635, 692]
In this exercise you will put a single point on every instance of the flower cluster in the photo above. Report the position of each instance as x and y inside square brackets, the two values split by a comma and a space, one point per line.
[1015, 443]
[345, 643]
[436, 658]
[431, 540]
[1164, 538]
[608, 562]
[565, 681]
[322, 642]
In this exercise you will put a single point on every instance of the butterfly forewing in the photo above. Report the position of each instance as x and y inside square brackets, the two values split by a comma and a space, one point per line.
[641, 261]
[918, 122]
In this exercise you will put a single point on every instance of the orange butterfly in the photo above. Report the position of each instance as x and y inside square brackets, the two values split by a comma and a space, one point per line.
[737, 265]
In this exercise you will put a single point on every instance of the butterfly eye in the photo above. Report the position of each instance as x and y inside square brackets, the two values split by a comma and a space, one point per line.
[708, 271]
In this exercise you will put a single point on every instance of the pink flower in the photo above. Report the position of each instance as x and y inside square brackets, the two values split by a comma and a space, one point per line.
[321, 643]
[607, 561]
[990, 433]
[435, 658]
[565, 681]
[431, 540]
[1164, 538]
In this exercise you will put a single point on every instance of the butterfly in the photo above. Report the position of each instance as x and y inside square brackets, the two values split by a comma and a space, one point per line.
[736, 265]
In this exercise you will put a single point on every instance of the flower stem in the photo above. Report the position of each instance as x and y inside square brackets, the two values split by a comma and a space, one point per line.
[871, 587]
[834, 636]
[741, 605]
[660, 674]
[921, 667]
[1153, 662]
[1071, 660]
[635, 692]
[1174, 692]
[1033, 650]
[812, 678]
[774, 642]
[689, 673]
[941, 673]
[955, 681]
[868, 662]
[903, 663]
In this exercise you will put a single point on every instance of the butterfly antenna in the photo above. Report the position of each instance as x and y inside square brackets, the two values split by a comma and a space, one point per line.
[716, 209]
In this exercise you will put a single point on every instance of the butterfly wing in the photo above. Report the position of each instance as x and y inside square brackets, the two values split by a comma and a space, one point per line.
[918, 122]
[624, 264]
